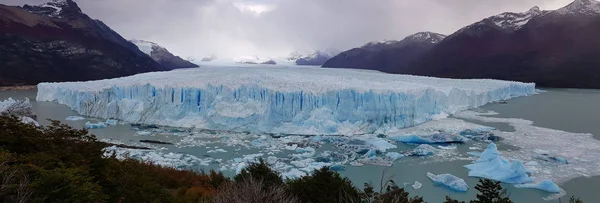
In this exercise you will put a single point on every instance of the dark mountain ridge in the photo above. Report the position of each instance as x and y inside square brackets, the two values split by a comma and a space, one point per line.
[557, 48]
[56, 42]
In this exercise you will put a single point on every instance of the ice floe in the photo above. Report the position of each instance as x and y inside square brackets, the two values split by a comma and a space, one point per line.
[449, 181]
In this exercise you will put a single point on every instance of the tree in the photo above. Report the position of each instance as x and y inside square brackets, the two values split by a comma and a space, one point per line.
[324, 186]
[491, 192]
[261, 172]
[450, 200]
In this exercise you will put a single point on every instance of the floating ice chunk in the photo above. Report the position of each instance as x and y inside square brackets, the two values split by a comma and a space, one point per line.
[305, 150]
[170, 159]
[377, 161]
[439, 138]
[423, 150]
[144, 132]
[371, 153]
[481, 134]
[450, 181]
[393, 156]
[474, 153]
[417, 185]
[22, 109]
[379, 144]
[545, 185]
[216, 151]
[552, 159]
[111, 122]
[338, 168]
[89, 125]
[491, 166]
[279, 99]
[449, 147]
[291, 147]
[74, 118]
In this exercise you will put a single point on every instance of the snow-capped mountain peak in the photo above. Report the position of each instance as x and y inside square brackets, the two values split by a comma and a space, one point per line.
[379, 43]
[146, 46]
[429, 37]
[588, 7]
[514, 21]
[54, 8]
[253, 60]
[507, 21]
[162, 55]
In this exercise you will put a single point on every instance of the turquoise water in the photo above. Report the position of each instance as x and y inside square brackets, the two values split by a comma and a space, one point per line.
[562, 109]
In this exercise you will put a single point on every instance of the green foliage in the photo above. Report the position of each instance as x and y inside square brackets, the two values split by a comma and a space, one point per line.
[66, 185]
[60, 164]
[260, 171]
[573, 200]
[491, 192]
[324, 185]
[450, 200]
[392, 194]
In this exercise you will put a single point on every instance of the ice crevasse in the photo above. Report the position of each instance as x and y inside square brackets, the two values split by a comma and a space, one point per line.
[279, 99]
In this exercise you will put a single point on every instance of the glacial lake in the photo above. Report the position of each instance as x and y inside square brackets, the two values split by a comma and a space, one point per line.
[569, 110]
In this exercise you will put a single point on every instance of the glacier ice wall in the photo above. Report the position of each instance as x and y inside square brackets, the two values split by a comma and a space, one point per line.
[279, 99]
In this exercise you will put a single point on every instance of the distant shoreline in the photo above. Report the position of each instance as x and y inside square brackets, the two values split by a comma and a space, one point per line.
[24, 87]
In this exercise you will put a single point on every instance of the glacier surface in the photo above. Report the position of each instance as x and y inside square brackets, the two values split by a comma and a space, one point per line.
[279, 99]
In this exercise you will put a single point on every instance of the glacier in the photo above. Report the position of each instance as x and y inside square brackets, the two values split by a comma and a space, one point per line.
[276, 99]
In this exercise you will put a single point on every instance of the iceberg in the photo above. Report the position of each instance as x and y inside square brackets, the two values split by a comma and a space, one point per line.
[393, 156]
[450, 181]
[111, 122]
[545, 185]
[90, 125]
[74, 118]
[379, 144]
[439, 138]
[22, 109]
[417, 185]
[423, 150]
[265, 99]
[491, 166]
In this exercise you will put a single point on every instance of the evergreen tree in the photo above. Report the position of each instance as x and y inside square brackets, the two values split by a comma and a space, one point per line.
[491, 192]
[450, 200]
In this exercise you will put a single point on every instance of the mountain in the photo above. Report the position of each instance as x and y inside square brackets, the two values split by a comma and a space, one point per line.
[557, 48]
[316, 58]
[254, 60]
[162, 55]
[387, 56]
[209, 58]
[56, 41]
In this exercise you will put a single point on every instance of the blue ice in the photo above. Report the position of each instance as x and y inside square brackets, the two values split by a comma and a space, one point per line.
[449, 181]
[491, 165]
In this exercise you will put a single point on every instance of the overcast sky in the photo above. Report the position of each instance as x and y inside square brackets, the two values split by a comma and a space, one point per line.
[276, 27]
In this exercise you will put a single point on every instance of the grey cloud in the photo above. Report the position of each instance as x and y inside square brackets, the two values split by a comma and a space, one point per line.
[202, 27]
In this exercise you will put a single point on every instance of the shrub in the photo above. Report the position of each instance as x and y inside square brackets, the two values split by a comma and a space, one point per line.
[253, 190]
[59, 164]
[260, 171]
[324, 185]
